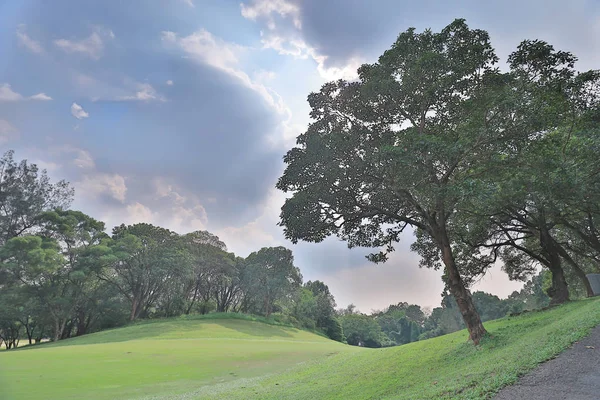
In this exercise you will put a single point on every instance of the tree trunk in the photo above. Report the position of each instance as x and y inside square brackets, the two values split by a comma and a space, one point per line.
[29, 332]
[267, 306]
[81, 325]
[57, 330]
[134, 308]
[578, 271]
[559, 292]
[461, 294]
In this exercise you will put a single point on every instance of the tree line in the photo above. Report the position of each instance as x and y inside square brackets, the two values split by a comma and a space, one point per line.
[62, 275]
[404, 323]
[485, 165]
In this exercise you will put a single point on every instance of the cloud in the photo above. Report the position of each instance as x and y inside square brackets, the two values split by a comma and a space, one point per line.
[7, 132]
[83, 159]
[92, 46]
[126, 89]
[341, 34]
[95, 184]
[145, 93]
[290, 39]
[266, 8]
[207, 48]
[264, 76]
[177, 213]
[41, 97]
[78, 112]
[224, 56]
[189, 3]
[138, 213]
[26, 41]
[169, 83]
[186, 211]
[9, 95]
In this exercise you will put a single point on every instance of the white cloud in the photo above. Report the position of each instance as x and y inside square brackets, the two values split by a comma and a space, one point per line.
[169, 82]
[127, 90]
[209, 49]
[92, 46]
[78, 112]
[101, 183]
[145, 92]
[83, 159]
[179, 219]
[225, 56]
[189, 3]
[7, 132]
[297, 48]
[41, 97]
[7, 94]
[29, 43]
[264, 76]
[137, 213]
[186, 213]
[266, 8]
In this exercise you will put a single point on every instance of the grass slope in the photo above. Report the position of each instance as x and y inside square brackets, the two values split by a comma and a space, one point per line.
[231, 358]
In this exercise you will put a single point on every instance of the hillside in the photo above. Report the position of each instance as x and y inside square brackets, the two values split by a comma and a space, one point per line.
[233, 358]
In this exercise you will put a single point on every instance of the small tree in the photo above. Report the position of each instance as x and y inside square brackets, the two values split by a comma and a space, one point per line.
[25, 193]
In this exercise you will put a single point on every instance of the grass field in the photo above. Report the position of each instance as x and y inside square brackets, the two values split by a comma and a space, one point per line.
[235, 358]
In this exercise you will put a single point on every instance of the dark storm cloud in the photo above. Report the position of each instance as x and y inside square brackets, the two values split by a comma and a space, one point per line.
[345, 29]
[205, 132]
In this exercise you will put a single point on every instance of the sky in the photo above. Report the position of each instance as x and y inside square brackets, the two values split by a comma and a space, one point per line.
[178, 112]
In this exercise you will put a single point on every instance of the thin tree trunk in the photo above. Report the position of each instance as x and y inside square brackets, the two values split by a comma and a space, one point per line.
[134, 308]
[461, 294]
[57, 330]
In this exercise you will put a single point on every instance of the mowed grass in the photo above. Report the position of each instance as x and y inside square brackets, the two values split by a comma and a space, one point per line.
[237, 359]
[166, 357]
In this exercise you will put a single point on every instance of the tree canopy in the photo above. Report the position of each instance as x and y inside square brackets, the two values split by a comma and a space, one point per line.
[417, 138]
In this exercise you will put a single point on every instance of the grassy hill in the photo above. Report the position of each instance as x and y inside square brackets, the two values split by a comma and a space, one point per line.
[236, 358]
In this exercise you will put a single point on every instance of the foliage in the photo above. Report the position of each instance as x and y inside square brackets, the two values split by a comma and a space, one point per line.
[402, 147]
[271, 276]
[26, 192]
[361, 330]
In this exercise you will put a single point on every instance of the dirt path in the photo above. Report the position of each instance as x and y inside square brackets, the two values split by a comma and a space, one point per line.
[573, 375]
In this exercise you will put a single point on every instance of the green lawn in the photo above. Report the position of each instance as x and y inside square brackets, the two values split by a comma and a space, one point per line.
[234, 358]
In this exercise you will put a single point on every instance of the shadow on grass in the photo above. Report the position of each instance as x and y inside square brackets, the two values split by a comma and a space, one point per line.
[254, 328]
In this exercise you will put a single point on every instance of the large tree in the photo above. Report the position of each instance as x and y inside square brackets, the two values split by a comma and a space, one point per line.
[548, 179]
[402, 147]
[140, 261]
